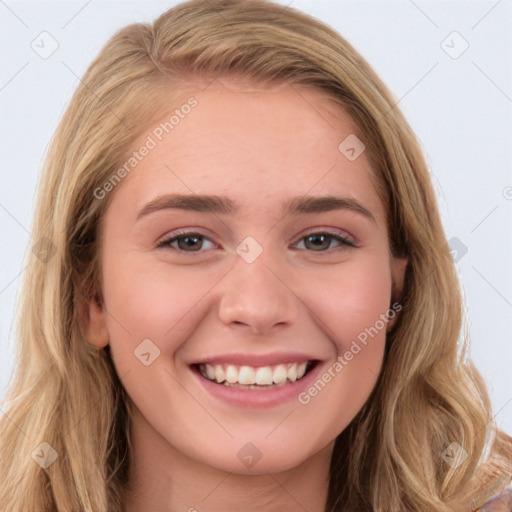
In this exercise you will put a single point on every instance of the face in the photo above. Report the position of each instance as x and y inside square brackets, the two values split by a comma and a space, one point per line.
[262, 280]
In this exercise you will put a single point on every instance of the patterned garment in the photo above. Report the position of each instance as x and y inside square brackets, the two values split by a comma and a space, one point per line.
[500, 503]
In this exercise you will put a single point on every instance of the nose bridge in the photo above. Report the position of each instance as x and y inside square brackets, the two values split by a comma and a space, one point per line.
[254, 294]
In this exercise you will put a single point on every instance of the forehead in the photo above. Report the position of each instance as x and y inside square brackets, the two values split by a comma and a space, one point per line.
[256, 144]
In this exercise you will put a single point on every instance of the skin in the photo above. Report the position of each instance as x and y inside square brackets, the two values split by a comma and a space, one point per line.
[259, 147]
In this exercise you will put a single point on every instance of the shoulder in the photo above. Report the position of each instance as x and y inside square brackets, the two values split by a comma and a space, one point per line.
[502, 502]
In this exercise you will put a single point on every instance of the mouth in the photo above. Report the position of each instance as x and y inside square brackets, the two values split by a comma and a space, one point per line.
[254, 377]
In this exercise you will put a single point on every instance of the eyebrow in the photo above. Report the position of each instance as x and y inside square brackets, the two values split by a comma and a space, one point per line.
[224, 205]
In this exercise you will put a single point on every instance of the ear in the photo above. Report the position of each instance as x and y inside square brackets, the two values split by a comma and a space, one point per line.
[93, 320]
[398, 269]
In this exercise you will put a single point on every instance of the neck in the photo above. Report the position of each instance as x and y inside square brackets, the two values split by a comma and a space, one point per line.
[165, 480]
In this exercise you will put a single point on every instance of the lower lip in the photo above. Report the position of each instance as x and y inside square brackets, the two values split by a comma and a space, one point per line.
[259, 398]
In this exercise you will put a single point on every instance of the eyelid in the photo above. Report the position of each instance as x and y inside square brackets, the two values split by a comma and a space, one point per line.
[343, 235]
[183, 232]
[344, 239]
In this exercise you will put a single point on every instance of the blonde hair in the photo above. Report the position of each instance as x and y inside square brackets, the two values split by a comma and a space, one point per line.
[66, 393]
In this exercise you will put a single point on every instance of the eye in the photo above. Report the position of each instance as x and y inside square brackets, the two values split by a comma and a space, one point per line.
[321, 241]
[187, 241]
[190, 241]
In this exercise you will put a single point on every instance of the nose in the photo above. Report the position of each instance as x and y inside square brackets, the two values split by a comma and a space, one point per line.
[257, 297]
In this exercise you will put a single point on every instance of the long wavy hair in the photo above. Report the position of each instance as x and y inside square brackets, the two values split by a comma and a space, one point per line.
[66, 393]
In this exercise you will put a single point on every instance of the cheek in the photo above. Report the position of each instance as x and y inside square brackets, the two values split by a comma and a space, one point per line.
[355, 298]
[151, 304]
[352, 308]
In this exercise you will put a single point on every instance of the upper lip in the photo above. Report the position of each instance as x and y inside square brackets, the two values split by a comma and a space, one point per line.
[257, 359]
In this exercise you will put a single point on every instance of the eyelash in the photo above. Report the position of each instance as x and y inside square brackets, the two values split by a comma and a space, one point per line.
[166, 243]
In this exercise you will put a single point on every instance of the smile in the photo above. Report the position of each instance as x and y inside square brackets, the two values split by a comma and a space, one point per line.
[255, 377]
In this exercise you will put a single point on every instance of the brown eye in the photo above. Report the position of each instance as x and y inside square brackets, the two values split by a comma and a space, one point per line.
[185, 242]
[189, 242]
[320, 242]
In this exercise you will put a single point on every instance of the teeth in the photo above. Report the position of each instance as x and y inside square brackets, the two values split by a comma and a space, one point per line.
[231, 374]
[301, 369]
[280, 374]
[210, 372]
[246, 375]
[219, 374]
[264, 376]
[249, 375]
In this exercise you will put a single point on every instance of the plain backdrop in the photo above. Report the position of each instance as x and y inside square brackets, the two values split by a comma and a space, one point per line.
[449, 64]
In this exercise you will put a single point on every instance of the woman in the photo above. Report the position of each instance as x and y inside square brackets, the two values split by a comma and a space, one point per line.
[243, 297]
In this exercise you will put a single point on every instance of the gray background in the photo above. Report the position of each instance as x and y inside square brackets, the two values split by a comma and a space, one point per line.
[458, 102]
